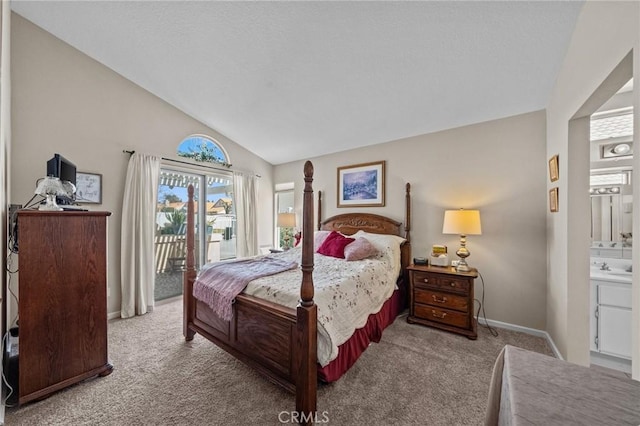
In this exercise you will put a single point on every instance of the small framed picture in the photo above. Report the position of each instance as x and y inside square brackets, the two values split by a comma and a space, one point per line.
[553, 168]
[88, 188]
[361, 185]
[553, 200]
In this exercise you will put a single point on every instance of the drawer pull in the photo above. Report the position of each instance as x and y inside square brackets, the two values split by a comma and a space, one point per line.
[436, 315]
[426, 280]
[439, 300]
[453, 284]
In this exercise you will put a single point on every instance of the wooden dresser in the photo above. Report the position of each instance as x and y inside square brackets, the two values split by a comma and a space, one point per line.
[62, 300]
[441, 297]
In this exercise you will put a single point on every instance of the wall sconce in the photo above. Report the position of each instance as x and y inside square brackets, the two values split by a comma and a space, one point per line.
[462, 222]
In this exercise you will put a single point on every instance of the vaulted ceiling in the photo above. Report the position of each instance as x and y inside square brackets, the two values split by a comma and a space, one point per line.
[293, 80]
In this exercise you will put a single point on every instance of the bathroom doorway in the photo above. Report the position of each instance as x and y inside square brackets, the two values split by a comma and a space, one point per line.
[611, 195]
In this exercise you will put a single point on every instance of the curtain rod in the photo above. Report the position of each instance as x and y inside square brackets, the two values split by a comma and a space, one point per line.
[191, 164]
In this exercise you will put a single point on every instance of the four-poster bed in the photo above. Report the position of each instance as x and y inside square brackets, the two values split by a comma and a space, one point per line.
[281, 342]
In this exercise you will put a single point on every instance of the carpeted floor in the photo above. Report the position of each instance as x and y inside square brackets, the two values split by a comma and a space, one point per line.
[414, 376]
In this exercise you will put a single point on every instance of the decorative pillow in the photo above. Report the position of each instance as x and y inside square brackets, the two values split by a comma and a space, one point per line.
[334, 245]
[380, 240]
[319, 238]
[360, 249]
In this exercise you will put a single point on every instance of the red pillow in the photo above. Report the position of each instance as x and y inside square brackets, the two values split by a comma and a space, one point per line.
[334, 245]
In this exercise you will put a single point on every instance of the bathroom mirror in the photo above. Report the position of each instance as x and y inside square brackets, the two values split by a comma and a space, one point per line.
[611, 222]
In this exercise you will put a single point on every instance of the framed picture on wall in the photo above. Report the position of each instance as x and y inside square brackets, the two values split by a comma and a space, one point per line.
[553, 168]
[553, 200]
[88, 188]
[361, 185]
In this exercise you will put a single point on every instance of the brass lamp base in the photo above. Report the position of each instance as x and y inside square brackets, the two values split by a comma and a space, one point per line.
[463, 253]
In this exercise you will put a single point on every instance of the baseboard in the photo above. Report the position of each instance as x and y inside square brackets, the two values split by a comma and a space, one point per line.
[611, 362]
[526, 330]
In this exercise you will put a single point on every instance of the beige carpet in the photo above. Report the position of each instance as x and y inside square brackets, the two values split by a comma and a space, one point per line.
[414, 376]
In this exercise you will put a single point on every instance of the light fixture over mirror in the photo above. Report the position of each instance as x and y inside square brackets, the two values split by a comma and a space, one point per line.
[617, 150]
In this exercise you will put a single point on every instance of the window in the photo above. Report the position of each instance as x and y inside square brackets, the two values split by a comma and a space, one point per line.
[203, 149]
[214, 216]
[284, 203]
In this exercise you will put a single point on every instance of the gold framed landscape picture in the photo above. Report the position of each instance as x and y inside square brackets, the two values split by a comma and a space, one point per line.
[553, 168]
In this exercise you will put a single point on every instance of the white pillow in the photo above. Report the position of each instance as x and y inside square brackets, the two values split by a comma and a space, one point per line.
[386, 239]
[388, 246]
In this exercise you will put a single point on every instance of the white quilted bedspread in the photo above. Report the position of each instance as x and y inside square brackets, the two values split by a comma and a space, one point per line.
[346, 293]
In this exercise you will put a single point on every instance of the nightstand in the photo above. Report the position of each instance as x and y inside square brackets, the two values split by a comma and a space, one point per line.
[441, 297]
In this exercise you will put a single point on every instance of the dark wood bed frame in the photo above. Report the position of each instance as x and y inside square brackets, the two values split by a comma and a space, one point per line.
[278, 341]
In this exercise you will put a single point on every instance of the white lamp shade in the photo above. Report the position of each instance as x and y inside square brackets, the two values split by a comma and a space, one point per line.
[286, 220]
[50, 186]
[462, 222]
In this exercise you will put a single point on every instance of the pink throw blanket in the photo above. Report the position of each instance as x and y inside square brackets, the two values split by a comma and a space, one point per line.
[218, 284]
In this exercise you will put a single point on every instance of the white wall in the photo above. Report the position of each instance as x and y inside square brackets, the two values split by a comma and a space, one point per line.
[66, 102]
[605, 33]
[5, 141]
[498, 167]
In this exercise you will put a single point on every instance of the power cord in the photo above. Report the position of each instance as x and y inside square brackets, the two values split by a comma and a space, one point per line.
[492, 330]
[9, 276]
[4, 379]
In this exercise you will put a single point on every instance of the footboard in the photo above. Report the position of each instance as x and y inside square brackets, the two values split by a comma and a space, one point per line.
[261, 334]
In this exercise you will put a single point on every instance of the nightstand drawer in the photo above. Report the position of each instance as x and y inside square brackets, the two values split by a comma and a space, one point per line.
[441, 282]
[443, 300]
[445, 316]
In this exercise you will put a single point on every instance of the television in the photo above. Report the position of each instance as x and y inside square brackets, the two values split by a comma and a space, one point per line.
[64, 169]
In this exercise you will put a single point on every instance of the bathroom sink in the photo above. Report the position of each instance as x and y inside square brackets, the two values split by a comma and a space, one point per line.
[619, 273]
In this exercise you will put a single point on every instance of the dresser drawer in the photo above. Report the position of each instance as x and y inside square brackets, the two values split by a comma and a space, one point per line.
[444, 316]
[441, 300]
[441, 282]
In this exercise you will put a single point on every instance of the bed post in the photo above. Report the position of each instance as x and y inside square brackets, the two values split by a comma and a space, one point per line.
[307, 314]
[190, 271]
[407, 223]
[406, 253]
[319, 209]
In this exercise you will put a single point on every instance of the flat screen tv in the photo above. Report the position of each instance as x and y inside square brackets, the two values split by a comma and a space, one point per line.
[64, 169]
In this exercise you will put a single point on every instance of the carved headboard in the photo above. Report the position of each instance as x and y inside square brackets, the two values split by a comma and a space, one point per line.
[350, 223]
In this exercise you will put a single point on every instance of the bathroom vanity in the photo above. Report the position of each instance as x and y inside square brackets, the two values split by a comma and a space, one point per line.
[611, 313]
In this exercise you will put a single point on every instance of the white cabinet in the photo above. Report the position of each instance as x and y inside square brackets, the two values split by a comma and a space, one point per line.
[615, 331]
[611, 318]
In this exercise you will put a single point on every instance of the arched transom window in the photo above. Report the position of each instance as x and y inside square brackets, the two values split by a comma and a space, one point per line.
[203, 148]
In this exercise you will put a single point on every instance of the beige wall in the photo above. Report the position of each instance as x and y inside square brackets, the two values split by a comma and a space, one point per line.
[5, 140]
[605, 33]
[66, 102]
[498, 167]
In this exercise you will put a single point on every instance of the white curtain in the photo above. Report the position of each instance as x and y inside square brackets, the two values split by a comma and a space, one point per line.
[138, 231]
[245, 187]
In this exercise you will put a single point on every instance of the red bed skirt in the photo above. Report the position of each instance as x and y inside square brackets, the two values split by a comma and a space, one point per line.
[350, 351]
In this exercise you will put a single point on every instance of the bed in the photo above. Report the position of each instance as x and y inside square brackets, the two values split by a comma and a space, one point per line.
[281, 342]
[532, 388]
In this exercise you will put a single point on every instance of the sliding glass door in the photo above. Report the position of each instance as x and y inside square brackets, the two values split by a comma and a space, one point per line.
[214, 220]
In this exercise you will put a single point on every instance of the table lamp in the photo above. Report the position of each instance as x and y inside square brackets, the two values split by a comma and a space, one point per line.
[462, 222]
[50, 187]
[287, 221]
